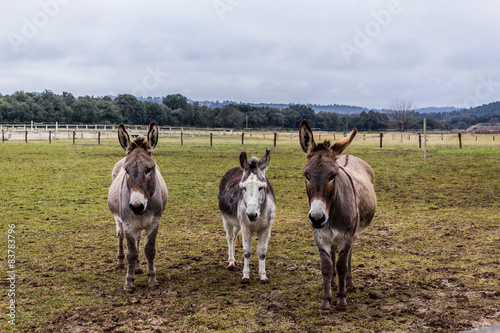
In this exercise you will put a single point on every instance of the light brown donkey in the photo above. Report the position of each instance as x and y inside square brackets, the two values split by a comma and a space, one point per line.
[137, 197]
[342, 203]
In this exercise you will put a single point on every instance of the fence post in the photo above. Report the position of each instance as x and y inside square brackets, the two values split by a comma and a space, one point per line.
[275, 137]
[242, 137]
[50, 134]
[381, 136]
[182, 140]
[3, 137]
[26, 136]
[210, 139]
[74, 135]
[419, 140]
[460, 139]
[425, 141]
[98, 138]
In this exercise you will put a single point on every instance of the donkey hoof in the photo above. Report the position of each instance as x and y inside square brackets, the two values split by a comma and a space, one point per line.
[264, 281]
[231, 267]
[152, 282]
[325, 306]
[245, 280]
[323, 312]
[128, 289]
[341, 304]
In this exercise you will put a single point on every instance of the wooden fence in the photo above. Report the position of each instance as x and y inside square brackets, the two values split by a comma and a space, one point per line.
[46, 132]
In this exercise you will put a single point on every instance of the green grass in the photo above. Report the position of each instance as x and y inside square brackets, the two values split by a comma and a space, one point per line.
[429, 261]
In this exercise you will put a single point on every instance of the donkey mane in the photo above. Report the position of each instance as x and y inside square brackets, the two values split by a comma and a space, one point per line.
[139, 142]
[253, 163]
[322, 146]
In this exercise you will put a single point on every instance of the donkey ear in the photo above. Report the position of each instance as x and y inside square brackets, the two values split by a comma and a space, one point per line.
[263, 164]
[123, 137]
[342, 144]
[306, 137]
[152, 135]
[243, 159]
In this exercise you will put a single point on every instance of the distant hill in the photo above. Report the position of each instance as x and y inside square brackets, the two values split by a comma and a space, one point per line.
[337, 108]
[433, 109]
[490, 110]
[483, 110]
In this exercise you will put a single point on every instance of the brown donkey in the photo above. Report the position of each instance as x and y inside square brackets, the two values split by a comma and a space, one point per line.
[137, 197]
[342, 203]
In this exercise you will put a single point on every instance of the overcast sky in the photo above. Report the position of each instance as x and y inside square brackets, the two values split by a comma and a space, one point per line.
[363, 53]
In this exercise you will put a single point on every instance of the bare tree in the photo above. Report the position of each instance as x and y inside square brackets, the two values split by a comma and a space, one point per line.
[402, 113]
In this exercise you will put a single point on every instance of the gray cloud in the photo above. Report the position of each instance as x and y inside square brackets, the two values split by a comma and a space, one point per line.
[435, 53]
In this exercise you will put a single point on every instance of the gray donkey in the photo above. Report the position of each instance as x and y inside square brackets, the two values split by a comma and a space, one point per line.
[137, 197]
[342, 203]
[247, 204]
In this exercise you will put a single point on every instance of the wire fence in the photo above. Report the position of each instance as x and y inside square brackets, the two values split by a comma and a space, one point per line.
[213, 136]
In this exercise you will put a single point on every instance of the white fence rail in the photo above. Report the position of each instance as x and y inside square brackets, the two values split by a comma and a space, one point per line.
[49, 132]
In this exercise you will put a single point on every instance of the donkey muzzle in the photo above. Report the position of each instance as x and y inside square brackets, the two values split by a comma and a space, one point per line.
[252, 216]
[317, 214]
[138, 203]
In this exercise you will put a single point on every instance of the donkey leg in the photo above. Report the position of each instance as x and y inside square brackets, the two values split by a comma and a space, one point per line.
[348, 279]
[231, 234]
[234, 243]
[327, 272]
[342, 268]
[120, 235]
[150, 252]
[262, 251]
[334, 269]
[138, 264]
[247, 252]
[132, 256]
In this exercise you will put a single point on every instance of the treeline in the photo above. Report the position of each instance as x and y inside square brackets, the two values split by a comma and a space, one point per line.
[47, 107]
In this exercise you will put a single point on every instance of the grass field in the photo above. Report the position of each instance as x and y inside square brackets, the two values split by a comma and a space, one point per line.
[429, 262]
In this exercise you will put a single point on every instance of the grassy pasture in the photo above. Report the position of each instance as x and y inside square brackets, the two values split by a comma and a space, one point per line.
[430, 261]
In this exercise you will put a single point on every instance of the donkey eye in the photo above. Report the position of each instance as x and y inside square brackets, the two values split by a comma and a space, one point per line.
[148, 171]
[307, 179]
[331, 178]
[261, 188]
